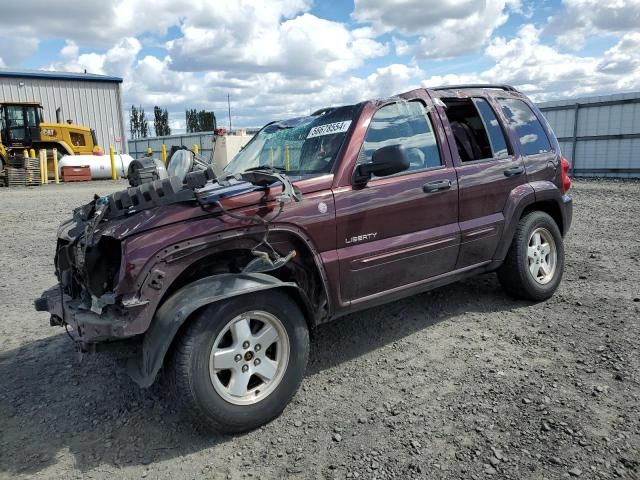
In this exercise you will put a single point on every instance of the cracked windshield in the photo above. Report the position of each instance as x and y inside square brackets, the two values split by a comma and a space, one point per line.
[299, 146]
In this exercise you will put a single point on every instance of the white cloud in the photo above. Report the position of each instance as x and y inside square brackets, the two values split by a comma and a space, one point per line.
[16, 49]
[543, 72]
[116, 61]
[441, 28]
[93, 23]
[582, 18]
[304, 46]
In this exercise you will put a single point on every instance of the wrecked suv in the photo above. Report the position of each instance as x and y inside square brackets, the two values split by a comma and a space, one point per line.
[217, 280]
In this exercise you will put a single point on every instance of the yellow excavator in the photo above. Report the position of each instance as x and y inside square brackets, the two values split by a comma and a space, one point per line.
[22, 126]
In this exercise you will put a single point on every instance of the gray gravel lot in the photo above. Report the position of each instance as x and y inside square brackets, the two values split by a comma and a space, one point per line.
[461, 382]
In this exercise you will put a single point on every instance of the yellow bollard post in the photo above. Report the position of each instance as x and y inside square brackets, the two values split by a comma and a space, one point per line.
[287, 157]
[25, 153]
[43, 152]
[32, 153]
[163, 153]
[56, 175]
[196, 149]
[41, 166]
[149, 152]
[114, 174]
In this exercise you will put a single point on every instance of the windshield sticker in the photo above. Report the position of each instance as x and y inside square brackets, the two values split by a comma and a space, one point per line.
[329, 128]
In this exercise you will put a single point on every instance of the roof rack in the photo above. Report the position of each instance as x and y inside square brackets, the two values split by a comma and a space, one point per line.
[508, 88]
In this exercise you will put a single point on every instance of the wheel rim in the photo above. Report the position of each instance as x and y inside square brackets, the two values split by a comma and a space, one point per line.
[249, 358]
[542, 256]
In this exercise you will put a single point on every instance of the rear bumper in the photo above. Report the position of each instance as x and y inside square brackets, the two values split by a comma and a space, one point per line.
[90, 327]
[567, 213]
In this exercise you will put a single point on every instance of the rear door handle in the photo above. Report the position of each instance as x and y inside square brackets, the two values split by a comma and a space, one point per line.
[436, 186]
[513, 171]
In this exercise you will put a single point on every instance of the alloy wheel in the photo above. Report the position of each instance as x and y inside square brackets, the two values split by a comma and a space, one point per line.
[249, 358]
[542, 255]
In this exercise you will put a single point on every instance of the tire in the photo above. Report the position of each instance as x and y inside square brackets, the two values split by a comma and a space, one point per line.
[533, 274]
[217, 329]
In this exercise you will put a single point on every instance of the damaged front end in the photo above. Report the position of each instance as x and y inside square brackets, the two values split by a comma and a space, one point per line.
[90, 263]
[87, 265]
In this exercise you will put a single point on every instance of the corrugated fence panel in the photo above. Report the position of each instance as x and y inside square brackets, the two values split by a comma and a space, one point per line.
[607, 140]
[204, 140]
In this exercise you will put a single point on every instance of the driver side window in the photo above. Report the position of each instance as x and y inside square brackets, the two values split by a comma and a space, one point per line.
[405, 124]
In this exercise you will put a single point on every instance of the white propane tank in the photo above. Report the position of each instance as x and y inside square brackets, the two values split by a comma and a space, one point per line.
[100, 164]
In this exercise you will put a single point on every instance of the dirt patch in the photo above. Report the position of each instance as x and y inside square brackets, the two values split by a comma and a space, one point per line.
[461, 382]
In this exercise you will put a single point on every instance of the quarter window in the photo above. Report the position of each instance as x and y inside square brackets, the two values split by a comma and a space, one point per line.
[405, 124]
[533, 138]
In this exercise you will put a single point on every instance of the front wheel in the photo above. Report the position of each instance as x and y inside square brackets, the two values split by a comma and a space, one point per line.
[535, 261]
[239, 362]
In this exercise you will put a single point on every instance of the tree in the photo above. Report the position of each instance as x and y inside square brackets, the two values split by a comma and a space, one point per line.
[138, 126]
[206, 121]
[134, 122]
[161, 122]
[201, 121]
[144, 126]
[191, 118]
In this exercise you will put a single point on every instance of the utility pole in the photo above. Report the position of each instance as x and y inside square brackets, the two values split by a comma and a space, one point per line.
[229, 107]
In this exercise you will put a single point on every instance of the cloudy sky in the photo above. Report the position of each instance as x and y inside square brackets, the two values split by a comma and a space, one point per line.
[283, 58]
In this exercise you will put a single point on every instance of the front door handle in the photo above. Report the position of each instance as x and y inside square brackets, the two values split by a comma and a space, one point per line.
[436, 186]
[513, 171]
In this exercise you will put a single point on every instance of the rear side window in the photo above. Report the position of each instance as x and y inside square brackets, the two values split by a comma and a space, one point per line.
[533, 138]
[405, 124]
[496, 135]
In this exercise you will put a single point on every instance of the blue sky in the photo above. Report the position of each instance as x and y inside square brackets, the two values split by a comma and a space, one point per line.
[287, 57]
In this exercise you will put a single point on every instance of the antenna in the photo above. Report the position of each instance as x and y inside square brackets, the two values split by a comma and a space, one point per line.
[229, 107]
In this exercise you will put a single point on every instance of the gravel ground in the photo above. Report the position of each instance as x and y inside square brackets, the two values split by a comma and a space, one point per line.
[461, 382]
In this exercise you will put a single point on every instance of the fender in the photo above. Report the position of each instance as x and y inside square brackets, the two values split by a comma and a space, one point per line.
[522, 197]
[173, 313]
[519, 198]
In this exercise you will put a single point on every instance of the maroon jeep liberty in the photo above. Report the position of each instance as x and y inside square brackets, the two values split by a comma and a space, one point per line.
[216, 278]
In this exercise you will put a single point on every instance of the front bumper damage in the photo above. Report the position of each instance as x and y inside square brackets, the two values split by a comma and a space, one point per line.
[112, 323]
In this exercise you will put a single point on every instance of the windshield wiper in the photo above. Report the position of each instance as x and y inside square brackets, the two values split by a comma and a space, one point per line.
[268, 168]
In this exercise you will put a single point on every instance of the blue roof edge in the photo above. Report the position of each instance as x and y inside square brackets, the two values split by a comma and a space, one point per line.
[60, 76]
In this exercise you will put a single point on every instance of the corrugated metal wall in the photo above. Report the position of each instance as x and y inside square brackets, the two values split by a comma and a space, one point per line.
[600, 136]
[95, 104]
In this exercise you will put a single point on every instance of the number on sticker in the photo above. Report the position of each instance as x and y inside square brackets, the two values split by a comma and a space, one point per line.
[329, 128]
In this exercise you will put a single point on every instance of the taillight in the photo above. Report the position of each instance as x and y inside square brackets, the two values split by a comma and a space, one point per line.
[566, 181]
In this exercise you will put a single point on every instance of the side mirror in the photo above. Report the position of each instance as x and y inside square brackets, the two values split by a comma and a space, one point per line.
[385, 161]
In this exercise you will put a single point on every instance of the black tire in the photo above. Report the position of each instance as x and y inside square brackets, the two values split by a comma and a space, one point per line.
[189, 374]
[514, 273]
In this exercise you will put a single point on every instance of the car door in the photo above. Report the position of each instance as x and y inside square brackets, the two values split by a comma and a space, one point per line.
[541, 160]
[398, 231]
[486, 175]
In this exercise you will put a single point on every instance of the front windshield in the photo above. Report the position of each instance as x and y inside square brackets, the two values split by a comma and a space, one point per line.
[303, 145]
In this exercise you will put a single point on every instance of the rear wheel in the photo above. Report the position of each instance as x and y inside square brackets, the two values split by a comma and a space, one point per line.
[535, 261]
[239, 362]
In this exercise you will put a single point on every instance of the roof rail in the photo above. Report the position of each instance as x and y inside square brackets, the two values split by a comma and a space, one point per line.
[508, 88]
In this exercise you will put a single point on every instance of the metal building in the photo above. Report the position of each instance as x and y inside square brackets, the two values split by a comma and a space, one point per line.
[600, 136]
[91, 100]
